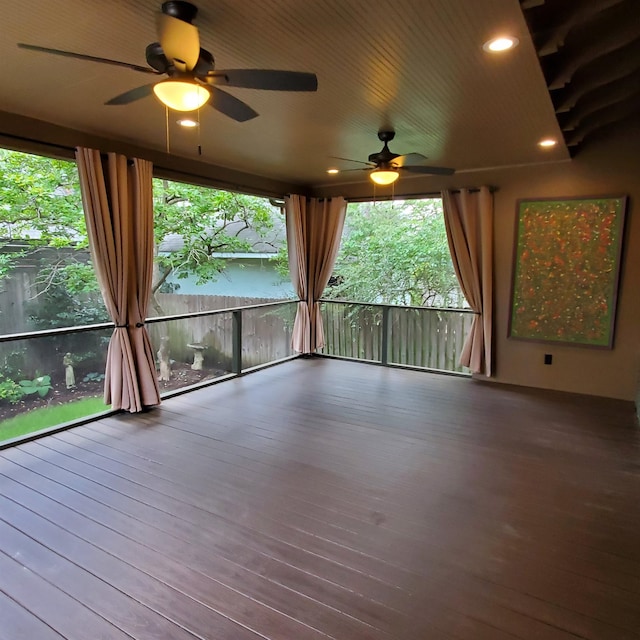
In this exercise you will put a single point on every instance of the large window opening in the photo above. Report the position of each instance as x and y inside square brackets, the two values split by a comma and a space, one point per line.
[216, 243]
[396, 253]
[214, 250]
[394, 296]
[46, 282]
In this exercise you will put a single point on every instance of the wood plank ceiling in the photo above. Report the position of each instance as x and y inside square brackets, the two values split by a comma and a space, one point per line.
[416, 66]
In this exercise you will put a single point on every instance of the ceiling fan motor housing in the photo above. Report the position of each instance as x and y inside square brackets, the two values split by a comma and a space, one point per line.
[191, 70]
[384, 157]
[386, 136]
[184, 11]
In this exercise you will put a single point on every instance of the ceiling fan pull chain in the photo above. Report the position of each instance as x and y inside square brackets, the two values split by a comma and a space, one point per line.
[166, 128]
[199, 135]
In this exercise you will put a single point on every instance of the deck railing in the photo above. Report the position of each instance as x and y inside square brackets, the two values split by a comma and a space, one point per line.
[205, 347]
[199, 348]
[417, 337]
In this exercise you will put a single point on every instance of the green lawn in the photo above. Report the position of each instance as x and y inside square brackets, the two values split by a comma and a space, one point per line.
[50, 416]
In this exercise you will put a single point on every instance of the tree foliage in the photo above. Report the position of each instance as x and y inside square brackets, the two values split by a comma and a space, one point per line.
[42, 220]
[209, 222]
[395, 253]
[40, 210]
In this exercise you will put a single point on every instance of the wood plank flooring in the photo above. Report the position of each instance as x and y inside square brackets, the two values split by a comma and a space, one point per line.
[326, 499]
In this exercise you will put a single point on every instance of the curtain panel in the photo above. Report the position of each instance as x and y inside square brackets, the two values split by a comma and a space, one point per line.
[468, 216]
[117, 196]
[314, 231]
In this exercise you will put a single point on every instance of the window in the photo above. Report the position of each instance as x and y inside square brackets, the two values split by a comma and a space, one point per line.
[216, 250]
[217, 243]
[213, 250]
[396, 253]
[393, 296]
[46, 282]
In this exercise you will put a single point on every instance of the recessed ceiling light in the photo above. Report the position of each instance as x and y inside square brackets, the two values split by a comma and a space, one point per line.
[547, 142]
[333, 170]
[186, 122]
[503, 43]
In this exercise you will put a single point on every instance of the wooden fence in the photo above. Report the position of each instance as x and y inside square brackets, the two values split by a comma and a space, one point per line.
[420, 337]
[266, 333]
[14, 293]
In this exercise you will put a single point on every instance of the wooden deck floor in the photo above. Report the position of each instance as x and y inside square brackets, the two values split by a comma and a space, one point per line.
[324, 499]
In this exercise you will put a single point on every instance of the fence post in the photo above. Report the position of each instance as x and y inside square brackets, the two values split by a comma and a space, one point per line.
[236, 360]
[384, 356]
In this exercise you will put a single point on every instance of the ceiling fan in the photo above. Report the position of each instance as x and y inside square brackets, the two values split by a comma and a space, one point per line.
[192, 78]
[385, 166]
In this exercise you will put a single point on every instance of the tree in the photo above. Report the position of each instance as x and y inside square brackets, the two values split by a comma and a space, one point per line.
[41, 210]
[41, 217]
[395, 253]
[208, 222]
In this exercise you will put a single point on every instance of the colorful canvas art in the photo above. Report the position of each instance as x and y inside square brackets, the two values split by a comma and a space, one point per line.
[566, 270]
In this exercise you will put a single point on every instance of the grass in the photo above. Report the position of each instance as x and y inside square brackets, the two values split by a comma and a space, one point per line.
[45, 417]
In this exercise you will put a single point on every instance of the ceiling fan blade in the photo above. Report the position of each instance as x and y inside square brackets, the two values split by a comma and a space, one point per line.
[82, 56]
[369, 164]
[267, 79]
[230, 105]
[179, 40]
[132, 95]
[421, 168]
[409, 159]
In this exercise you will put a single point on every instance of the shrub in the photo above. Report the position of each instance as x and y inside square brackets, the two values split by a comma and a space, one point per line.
[13, 363]
[40, 385]
[93, 377]
[10, 391]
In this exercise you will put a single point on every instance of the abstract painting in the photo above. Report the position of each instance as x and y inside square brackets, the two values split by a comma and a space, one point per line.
[566, 269]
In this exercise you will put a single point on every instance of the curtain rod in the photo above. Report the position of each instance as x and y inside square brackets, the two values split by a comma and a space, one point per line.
[416, 196]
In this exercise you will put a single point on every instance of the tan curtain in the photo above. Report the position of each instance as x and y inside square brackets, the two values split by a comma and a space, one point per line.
[117, 199]
[468, 216]
[314, 231]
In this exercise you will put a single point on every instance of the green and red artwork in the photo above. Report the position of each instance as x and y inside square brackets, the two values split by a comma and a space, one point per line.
[566, 270]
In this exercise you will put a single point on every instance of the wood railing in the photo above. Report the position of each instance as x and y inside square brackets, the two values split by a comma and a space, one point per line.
[421, 337]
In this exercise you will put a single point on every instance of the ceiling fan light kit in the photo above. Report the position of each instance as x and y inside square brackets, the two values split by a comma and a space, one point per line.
[385, 166]
[384, 177]
[181, 95]
[193, 80]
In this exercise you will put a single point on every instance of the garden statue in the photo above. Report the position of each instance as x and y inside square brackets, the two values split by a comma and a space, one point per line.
[163, 359]
[198, 356]
[69, 375]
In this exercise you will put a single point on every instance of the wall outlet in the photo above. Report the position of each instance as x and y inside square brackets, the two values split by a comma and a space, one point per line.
[548, 358]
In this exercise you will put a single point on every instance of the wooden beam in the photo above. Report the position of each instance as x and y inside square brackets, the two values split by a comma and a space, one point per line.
[581, 13]
[605, 96]
[613, 30]
[604, 117]
[624, 62]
